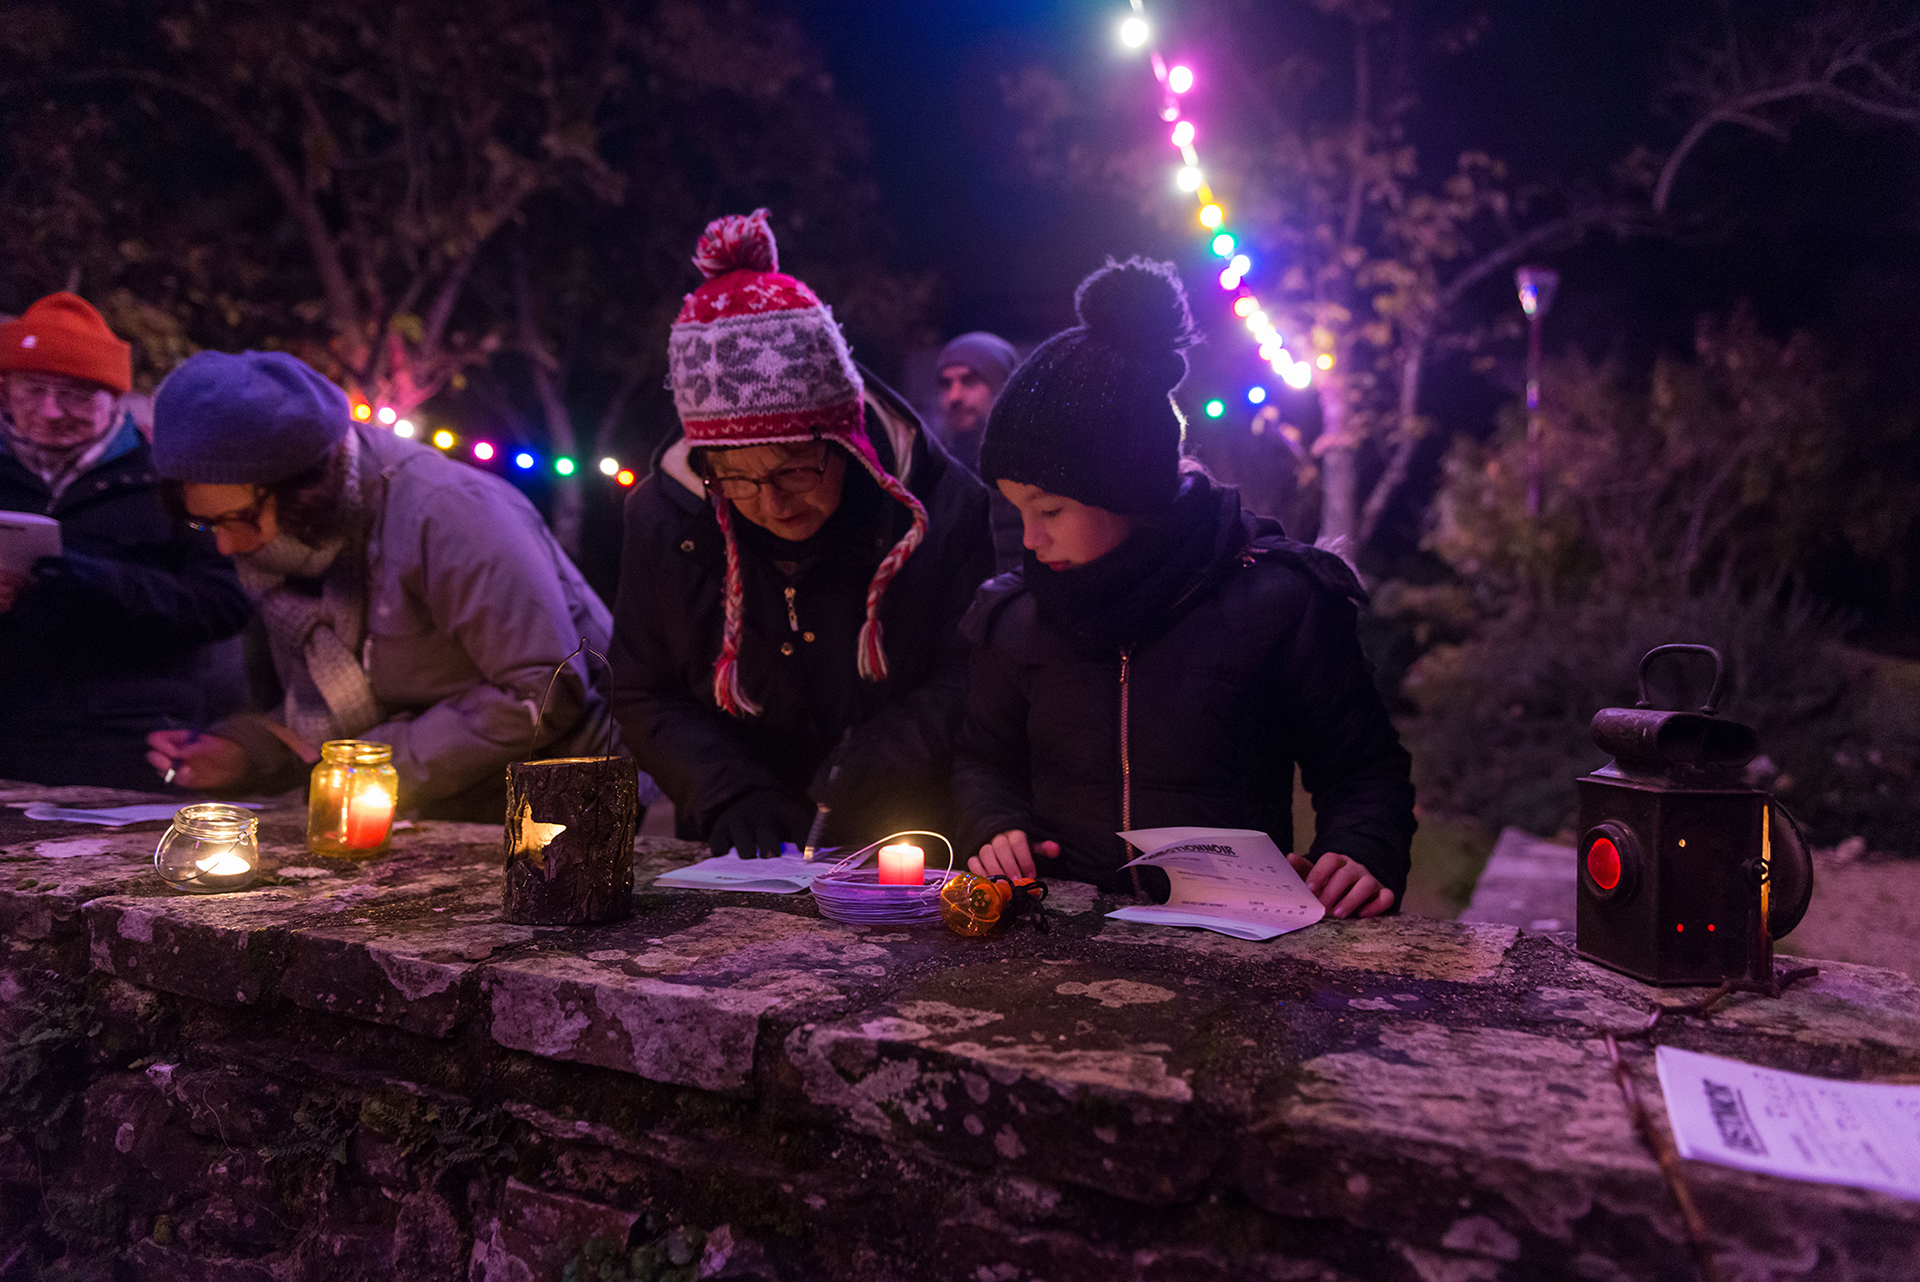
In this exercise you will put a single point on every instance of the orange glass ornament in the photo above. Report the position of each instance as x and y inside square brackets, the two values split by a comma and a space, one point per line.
[971, 905]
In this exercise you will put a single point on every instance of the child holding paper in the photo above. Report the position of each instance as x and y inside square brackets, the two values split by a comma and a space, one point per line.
[1163, 657]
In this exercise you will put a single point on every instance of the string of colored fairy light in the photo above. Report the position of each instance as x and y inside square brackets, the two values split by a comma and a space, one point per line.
[1176, 80]
[483, 451]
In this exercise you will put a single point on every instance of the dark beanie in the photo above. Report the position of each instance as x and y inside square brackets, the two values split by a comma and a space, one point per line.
[1090, 415]
[251, 419]
[988, 355]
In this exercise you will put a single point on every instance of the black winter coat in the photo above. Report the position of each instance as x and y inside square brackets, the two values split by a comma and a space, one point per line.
[1255, 667]
[114, 638]
[797, 656]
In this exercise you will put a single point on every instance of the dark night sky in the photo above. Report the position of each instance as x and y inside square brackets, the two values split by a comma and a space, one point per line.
[1822, 234]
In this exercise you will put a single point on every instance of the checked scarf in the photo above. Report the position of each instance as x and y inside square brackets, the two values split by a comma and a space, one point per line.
[314, 603]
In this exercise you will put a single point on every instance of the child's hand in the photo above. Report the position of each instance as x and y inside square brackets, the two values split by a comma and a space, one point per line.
[1343, 885]
[1008, 855]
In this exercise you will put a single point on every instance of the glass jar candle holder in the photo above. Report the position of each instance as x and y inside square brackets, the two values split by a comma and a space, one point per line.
[350, 799]
[209, 848]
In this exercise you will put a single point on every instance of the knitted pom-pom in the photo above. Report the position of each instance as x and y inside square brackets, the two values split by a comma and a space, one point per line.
[737, 242]
[1138, 305]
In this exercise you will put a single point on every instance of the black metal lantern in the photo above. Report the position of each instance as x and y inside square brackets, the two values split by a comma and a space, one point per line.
[1687, 872]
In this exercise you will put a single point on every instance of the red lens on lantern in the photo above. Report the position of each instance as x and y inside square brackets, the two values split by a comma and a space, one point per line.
[1603, 864]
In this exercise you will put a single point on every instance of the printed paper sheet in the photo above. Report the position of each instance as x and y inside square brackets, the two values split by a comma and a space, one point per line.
[787, 875]
[1231, 880]
[1863, 1134]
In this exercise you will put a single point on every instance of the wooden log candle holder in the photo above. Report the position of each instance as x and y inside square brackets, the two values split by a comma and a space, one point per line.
[569, 838]
[570, 827]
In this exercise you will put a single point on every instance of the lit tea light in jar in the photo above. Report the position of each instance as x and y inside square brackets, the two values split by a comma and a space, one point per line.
[224, 863]
[209, 847]
[369, 815]
[903, 864]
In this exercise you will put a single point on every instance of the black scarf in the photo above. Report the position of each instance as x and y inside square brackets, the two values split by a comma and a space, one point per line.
[1128, 594]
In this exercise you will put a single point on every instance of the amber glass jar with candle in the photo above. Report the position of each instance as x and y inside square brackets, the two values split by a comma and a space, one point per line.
[209, 848]
[350, 799]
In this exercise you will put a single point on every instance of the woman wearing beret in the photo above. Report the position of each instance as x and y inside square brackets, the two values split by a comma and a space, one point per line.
[406, 598]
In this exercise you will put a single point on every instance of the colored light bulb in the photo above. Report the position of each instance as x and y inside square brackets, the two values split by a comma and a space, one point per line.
[609, 466]
[1245, 307]
[404, 428]
[443, 438]
[1211, 215]
[1134, 32]
[523, 461]
[1183, 134]
[1256, 394]
[1188, 179]
[1180, 79]
[483, 451]
[1223, 245]
[626, 476]
[1216, 408]
[387, 414]
[564, 466]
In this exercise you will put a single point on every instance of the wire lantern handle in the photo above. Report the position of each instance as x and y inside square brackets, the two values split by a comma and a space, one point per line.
[540, 714]
[854, 860]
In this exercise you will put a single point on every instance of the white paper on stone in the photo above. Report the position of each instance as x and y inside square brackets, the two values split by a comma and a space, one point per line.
[111, 816]
[1231, 880]
[1862, 1134]
[789, 874]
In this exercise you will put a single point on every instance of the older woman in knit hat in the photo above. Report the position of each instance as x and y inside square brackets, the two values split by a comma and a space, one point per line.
[115, 636]
[408, 599]
[793, 576]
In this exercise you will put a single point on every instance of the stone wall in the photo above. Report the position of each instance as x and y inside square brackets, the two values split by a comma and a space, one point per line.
[358, 1071]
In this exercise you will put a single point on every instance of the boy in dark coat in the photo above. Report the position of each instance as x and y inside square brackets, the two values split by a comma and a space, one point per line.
[115, 637]
[793, 578]
[1163, 658]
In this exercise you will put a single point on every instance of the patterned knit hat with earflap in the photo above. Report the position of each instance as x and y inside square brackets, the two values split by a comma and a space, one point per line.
[755, 358]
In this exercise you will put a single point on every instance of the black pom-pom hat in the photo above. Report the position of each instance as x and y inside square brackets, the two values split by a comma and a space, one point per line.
[1090, 415]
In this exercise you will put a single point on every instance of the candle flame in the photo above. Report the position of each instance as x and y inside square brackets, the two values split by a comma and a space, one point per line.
[223, 863]
[532, 838]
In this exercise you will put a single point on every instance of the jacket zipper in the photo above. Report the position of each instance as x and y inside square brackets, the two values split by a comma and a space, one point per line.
[793, 615]
[1126, 767]
[1126, 755]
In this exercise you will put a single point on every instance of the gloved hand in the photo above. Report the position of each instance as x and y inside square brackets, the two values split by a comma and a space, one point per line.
[756, 824]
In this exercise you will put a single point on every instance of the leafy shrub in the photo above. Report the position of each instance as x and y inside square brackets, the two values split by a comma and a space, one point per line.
[1503, 723]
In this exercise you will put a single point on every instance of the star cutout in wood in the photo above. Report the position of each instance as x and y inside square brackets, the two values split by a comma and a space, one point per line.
[532, 838]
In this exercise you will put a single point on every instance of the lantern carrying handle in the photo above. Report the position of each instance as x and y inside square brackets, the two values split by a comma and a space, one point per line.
[1719, 673]
[533, 735]
[858, 857]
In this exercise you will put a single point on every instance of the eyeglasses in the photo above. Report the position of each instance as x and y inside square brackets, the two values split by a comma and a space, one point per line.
[247, 518]
[788, 480]
[74, 398]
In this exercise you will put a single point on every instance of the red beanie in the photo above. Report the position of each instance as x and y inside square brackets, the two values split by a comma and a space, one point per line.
[755, 358]
[62, 334]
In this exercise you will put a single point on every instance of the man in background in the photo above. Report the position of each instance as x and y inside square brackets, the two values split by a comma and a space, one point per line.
[116, 636]
[971, 370]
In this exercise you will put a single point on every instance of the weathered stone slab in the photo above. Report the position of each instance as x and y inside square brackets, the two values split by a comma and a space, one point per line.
[1397, 1098]
[684, 1008]
[1050, 1066]
[1413, 947]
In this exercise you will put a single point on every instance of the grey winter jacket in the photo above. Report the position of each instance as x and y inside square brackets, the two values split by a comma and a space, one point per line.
[471, 606]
